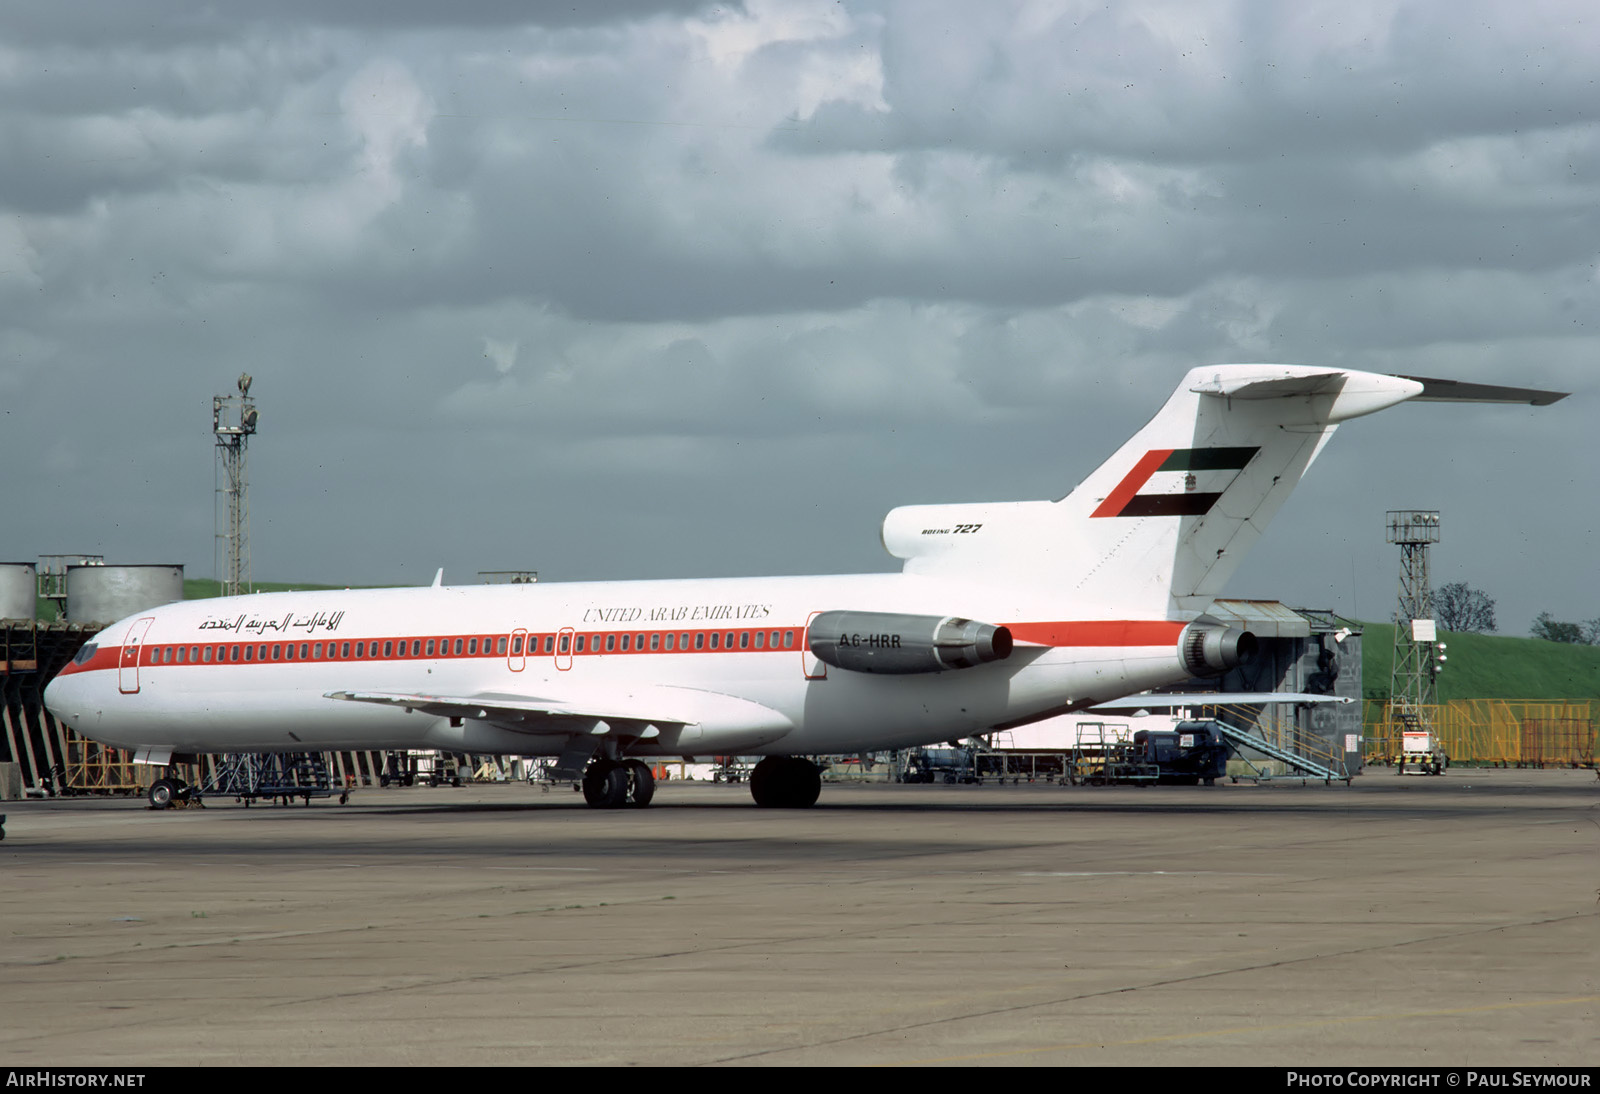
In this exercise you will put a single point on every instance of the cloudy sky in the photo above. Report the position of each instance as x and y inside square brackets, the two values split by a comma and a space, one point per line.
[679, 289]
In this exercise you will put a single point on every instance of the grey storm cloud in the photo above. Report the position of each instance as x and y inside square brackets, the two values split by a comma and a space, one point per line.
[665, 289]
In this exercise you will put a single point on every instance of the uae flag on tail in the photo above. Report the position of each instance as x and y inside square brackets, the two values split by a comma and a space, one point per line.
[1175, 482]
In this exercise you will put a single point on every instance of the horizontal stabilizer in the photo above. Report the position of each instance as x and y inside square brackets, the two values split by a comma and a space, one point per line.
[1220, 699]
[1455, 391]
[1271, 384]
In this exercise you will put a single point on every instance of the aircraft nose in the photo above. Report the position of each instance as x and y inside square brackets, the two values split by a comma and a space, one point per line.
[65, 698]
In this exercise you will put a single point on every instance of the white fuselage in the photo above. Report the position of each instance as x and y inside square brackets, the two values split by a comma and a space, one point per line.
[256, 673]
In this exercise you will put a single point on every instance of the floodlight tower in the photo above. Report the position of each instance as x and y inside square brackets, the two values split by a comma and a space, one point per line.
[1413, 689]
[233, 421]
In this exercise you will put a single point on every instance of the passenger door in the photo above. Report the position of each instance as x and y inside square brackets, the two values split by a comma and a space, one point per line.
[128, 663]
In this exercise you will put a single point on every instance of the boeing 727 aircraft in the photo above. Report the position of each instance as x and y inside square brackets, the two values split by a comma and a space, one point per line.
[1004, 613]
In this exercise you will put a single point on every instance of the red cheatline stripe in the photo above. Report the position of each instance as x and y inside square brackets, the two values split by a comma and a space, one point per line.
[1100, 632]
[1088, 632]
[1130, 484]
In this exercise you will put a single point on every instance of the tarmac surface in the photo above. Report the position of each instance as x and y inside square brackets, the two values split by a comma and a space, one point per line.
[1442, 922]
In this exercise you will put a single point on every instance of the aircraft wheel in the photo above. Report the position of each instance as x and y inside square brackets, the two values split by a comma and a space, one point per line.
[785, 782]
[641, 783]
[806, 784]
[605, 785]
[162, 791]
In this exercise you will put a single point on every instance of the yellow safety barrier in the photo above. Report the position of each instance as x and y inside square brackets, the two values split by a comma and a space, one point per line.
[1509, 732]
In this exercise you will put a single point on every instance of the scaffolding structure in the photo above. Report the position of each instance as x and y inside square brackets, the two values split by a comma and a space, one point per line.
[233, 422]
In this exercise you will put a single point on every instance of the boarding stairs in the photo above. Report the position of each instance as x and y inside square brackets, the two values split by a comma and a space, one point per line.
[1324, 766]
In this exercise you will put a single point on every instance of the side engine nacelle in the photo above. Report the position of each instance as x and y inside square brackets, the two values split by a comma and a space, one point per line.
[889, 642]
[1211, 649]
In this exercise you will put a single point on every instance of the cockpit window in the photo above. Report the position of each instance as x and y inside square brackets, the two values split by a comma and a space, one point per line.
[85, 653]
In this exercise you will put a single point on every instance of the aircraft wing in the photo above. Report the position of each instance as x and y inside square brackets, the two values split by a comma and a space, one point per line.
[1219, 699]
[515, 712]
[638, 712]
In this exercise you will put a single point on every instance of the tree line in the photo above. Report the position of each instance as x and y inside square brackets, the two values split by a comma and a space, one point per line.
[1461, 608]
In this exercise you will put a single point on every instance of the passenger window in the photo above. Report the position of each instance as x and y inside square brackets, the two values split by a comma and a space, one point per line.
[611, 642]
[472, 647]
[288, 652]
[388, 648]
[416, 647]
[516, 644]
[788, 640]
[564, 641]
[579, 647]
[205, 654]
[730, 640]
[670, 639]
[655, 641]
[625, 642]
[302, 651]
[683, 640]
[716, 638]
[744, 640]
[761, 639]
[638, 641]
[500, 646]
[699, 640]
[774, 639]
[316, 651]
[549, 639]
[344, 651]
[361, 649]
[277, 653]
[249, 653]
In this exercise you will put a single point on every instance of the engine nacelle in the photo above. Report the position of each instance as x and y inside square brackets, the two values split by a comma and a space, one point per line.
[892, 643]
[1211, 649]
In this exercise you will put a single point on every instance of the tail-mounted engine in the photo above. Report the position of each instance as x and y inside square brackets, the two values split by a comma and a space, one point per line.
[1211, 649]
[891, 643]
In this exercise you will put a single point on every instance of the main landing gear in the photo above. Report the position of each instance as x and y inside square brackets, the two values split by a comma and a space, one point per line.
[785, 782]
[169, 792]
[615, 784]
[777, 782]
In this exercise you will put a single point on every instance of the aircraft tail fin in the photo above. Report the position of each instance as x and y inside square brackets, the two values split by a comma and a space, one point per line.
[1159, 527]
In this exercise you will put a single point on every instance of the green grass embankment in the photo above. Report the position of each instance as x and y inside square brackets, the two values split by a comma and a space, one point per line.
[1489, 666]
